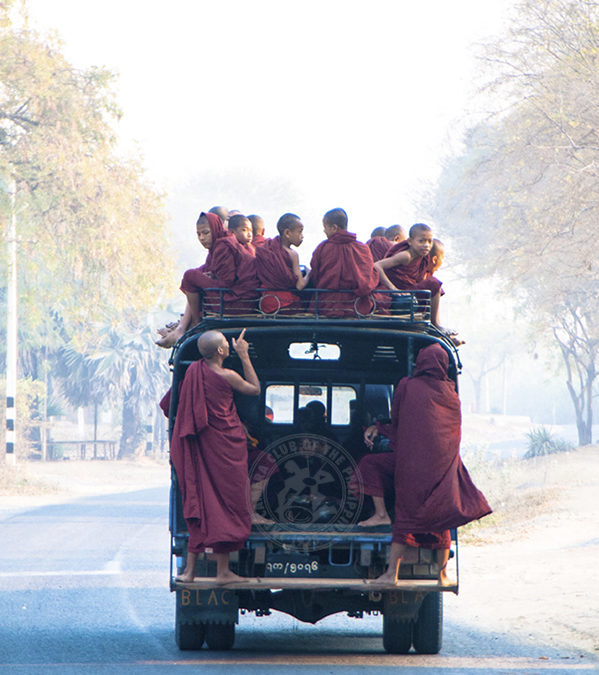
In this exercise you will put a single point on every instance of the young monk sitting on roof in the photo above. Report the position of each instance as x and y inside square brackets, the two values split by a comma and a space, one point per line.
[234, 268]
[209, 454]
[278, 266]
[380, 243]
[433, 490]
[209, 229]
[406, 265]
[341, 262]
[258, 228]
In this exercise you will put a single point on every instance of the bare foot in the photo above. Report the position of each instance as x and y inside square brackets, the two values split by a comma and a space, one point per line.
[257, 519]
[228, 577]
[376, 519]
[443, 578]
[187, 577]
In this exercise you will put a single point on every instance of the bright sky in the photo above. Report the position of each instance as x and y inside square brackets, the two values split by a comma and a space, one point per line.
[347, 103]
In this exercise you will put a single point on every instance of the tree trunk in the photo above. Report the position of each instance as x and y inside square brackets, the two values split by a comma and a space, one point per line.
[132, 431]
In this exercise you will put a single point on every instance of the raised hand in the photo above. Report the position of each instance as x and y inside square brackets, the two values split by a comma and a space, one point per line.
[240, 345]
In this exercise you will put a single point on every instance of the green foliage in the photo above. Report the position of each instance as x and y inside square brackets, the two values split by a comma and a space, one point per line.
[91, 227]
[542, 442]
[523, 199]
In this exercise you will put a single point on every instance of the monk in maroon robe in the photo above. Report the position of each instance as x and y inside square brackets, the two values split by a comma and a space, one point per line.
[209, 454]
[258, 238]
[234, 266]
[342, 263]
[278, 268]
[433, 490]
[209, 229]
[378, 247]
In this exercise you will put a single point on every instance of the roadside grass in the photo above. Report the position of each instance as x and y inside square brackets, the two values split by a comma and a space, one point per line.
[516, 489]
[15, 481]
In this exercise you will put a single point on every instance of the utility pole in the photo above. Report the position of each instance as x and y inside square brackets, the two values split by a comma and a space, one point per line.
[11, 327]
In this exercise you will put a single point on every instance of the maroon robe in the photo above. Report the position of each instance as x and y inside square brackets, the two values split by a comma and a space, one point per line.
[209, 455]
[412, 276]
[433, 491]
[338, 263]
[259, 240]
[274, 267]
[378, 247]
[234, 266]
[198, 278]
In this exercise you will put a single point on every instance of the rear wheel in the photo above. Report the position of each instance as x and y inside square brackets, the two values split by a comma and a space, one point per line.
[397, 636]
[428, 627]
[220, 636]
[189, 635]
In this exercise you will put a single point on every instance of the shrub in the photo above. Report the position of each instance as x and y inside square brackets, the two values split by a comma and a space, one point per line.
[542, 442]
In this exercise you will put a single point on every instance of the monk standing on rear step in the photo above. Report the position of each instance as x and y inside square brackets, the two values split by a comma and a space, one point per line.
[209, 454]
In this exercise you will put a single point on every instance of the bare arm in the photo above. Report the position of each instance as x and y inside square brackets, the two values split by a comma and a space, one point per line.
[251, 384]
[300, 281]
[401, 258]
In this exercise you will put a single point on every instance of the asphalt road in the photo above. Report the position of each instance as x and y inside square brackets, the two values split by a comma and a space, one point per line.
[84, 588]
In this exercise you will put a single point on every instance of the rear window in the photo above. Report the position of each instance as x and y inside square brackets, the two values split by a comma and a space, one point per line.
[280, 397]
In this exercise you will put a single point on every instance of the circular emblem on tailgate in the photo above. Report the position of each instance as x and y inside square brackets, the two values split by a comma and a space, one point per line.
[310, 484]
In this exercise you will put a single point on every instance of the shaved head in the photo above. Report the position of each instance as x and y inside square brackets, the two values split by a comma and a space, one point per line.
[257, 224]
[395, 233]
[221, 212]
[209, 342]
[419, 228]
[378, 232]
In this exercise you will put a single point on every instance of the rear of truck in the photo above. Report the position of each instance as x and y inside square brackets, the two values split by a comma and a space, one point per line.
[310, 558]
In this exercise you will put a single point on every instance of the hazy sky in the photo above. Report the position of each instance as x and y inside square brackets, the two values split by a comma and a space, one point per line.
[348, 103]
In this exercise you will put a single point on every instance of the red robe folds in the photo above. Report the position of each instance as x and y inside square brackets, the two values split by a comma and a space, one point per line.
[273, 265]
[338, 263]
[413, 275]
[194, 280]
[259, 240]
[234, 266]
[378, 247]
[433, 491]
[209, 455]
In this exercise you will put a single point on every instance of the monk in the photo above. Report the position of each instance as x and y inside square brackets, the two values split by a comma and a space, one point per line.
[405, 267]
[209, 454]
[234, 267]
[380, 243]
[258, 230]
[278, 267]
[433, 490]
[341, 262]
[209, 228]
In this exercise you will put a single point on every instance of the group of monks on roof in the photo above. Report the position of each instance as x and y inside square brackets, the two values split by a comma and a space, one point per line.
[242, 260]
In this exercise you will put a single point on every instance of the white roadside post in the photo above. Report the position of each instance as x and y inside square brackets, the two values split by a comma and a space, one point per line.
[11, 329]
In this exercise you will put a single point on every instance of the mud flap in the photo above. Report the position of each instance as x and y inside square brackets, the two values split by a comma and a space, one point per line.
[215, 605]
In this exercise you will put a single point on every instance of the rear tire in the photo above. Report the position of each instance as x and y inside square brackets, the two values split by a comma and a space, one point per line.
[220, 636]
[428, 627]
[397, 636]
[189, 635]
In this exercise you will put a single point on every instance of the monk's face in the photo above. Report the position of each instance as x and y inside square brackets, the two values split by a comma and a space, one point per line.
[204, 233]
[244, 232]
[328, 228]
[421, 243]
[437, 259]
[295, 235]
[224, 345]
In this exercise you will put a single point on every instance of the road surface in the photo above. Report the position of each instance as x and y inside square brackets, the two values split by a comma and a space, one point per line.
[84, 588]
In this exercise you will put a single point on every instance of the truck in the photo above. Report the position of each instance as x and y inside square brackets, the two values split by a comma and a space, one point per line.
[310, 558]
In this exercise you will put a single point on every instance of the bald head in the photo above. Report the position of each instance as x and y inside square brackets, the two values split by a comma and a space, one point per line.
[221, 212]
[210, 341]
[257, 225]
[395, 233]
[378, 232]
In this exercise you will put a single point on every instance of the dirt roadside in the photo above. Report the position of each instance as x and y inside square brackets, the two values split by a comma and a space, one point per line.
[528, 569]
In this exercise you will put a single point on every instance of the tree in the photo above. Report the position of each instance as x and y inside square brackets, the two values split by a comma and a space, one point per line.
[123, 365]
[90, 224]
[523, 199]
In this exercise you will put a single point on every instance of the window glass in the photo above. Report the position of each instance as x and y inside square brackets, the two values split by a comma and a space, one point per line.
[342, 397]
[314, 350]
[279, 403]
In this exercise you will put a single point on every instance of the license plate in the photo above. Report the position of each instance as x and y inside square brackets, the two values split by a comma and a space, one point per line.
[283, 565]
